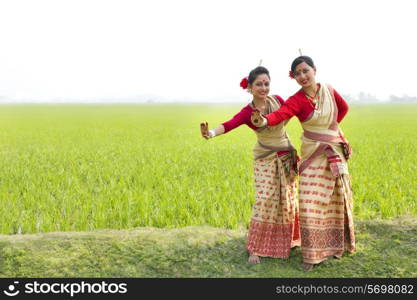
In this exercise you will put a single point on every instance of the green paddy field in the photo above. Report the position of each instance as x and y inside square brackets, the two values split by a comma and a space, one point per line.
[87, 168]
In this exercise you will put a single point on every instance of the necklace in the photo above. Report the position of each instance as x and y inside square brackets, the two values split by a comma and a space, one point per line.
[261, 108]
[313, 100]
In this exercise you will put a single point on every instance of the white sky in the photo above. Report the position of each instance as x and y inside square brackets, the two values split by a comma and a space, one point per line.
[200, 50]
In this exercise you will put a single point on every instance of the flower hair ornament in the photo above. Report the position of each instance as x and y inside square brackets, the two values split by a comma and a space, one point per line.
[244, 83]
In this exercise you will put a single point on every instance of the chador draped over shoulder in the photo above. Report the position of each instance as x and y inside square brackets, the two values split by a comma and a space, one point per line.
[274, 226]
[326, 205]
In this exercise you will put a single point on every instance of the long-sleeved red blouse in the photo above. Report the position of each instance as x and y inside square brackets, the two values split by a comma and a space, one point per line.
[244, 117]
[299, 105]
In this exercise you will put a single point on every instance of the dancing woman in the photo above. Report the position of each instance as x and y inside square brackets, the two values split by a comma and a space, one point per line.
[326, 205]
[273, 228]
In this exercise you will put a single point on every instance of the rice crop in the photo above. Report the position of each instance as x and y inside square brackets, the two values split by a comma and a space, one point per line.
[84, 167]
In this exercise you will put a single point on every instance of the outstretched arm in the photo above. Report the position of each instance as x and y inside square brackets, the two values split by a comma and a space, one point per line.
[285, 112]
[210, 133]
[240, 118]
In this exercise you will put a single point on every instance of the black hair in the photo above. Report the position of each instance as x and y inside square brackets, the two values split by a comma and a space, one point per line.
[256, 72]
[301, 59]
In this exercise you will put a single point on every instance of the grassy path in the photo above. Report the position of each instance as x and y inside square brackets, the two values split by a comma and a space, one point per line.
[384, 249]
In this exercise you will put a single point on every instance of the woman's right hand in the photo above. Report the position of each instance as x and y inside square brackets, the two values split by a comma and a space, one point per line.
[204, 130]
[258, 119]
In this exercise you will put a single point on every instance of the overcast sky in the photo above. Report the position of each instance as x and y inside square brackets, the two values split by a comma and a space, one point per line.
[200, 50]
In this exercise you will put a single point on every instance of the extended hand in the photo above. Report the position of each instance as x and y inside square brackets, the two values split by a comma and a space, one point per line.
[257, 119]
[204, 130]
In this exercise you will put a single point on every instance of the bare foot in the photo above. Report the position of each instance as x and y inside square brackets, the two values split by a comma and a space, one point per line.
[254, 259]
[307, 267]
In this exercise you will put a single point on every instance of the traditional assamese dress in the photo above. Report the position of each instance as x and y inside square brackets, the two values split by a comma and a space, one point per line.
[274, 227]
[326, 205]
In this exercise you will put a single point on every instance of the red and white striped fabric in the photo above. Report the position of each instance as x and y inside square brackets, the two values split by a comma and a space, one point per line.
[274, 227]
[326, 203]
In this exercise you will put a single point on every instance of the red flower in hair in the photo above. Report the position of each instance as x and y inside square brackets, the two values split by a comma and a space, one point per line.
[291, 75]
[244, 83]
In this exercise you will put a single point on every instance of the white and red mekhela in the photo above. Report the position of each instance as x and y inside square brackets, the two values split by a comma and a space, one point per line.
[274, 226]
[326, 205]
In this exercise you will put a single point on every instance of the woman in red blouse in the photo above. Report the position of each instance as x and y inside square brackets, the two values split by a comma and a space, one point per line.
[273, 228]
[326, 205]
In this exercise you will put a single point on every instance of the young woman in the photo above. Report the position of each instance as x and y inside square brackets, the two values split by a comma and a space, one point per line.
[326, 207]
[273, 228]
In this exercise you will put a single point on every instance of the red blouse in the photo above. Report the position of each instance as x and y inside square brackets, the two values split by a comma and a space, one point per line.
[244, 117]
[299, 105]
